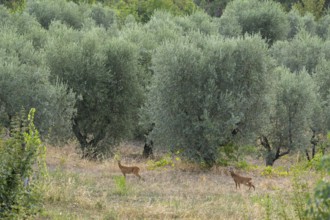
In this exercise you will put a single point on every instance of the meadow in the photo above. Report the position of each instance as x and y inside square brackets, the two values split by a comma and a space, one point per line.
[82, 189]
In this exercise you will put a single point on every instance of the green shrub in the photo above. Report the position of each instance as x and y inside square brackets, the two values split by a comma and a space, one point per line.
[271, 171]
[315, 162]
[319, 202]
[233, 153]
[163, 162]
[22, 156]
[242, 164]
[227, 154]
[267, 171]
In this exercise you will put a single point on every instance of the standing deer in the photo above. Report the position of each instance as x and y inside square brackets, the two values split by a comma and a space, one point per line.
[129, 170]
[241, 180]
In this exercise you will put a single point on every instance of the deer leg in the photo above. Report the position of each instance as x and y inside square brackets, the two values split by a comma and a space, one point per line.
[251, 185]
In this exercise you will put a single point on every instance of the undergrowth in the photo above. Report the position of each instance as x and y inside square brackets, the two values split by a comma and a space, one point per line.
[171, 191]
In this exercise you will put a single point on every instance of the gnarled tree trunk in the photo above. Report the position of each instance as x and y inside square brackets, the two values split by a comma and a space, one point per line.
[271, 155]
[88, 147]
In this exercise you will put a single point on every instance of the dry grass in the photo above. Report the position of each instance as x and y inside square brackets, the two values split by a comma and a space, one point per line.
[81, 189]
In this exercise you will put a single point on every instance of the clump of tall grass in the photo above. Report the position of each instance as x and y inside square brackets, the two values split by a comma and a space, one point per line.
[121, 187]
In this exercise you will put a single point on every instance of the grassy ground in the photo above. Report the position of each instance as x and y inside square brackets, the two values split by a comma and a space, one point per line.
[80, 189]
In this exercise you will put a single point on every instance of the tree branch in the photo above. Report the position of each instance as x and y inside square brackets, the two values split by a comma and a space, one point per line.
[284, 153]
[264, 142]
[279, 154]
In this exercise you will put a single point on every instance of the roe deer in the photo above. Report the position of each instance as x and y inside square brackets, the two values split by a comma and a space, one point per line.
[241, 180]
[129, 170]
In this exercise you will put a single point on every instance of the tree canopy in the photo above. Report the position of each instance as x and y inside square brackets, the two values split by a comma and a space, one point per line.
[103, 71]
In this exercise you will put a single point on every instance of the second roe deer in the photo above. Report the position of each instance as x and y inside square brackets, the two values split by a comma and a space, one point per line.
[129, 170]
[241, 180]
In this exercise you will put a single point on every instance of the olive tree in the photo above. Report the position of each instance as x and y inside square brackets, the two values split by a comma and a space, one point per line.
[24, 25]
[304, 51]
[143, 10]
[198, 21]
[213, 8]
[75, 15]
[294, 100]
[205, 90]
[103, 16]
[14, 5]
[24, 82]
[104, 74]
[254, 16]
[51, 10]
[322, 79]
[316, 7]
[323, 26]
[300, 22]
[147, 37]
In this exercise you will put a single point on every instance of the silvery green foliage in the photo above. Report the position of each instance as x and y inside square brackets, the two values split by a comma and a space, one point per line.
[48, 11]
[229, 27]
[203, 88]
[104, 73]
[322, 79]
[22, 158]
[73, 15]
[198, 21]
[309, 23]
[25, 25]
[24, 82]
[304, 51]
[254, 16]
[319, 201]
[103, 16]
[323, 27]
[163, 27]
[145, 41]
[294, 103]
[308, 53]
[298, 22]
